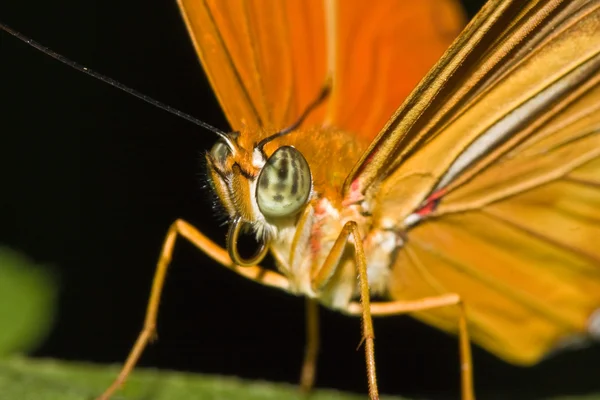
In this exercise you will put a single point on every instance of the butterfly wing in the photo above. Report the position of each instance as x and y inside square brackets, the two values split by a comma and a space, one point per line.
[267, 60]
[264, 59]
[498, 169]
[380, 51]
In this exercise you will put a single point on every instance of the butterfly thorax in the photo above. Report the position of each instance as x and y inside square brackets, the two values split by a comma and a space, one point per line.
[256, 184]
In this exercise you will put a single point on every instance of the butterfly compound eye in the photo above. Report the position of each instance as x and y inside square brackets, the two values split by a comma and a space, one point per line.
[284, 183]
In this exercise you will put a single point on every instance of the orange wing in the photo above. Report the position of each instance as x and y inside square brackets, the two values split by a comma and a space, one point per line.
[506, 138]
[381, 50]
[265, 59]
[268, 59]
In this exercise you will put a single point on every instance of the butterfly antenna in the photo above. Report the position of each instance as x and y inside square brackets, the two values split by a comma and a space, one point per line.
[116, 84]
[325, 91]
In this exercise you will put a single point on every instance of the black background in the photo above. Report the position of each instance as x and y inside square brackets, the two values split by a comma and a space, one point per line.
[92, 179]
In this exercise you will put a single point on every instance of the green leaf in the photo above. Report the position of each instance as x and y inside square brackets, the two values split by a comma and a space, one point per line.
[22, 378]
[27, 303]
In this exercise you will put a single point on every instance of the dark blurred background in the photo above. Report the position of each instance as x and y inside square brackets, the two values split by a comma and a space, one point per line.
[92, 178]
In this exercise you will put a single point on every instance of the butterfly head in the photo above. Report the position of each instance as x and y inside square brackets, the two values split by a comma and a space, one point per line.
[263, 186]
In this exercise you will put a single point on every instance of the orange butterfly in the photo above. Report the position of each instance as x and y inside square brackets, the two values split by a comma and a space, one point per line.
[476, 205]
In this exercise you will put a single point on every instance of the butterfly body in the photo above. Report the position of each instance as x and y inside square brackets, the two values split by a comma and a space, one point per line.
[471, 185]
[300, 243]
[475, 207]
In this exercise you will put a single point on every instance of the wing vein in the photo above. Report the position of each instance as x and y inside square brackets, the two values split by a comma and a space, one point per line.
[557, 244]
[232, 65]
[526, 299]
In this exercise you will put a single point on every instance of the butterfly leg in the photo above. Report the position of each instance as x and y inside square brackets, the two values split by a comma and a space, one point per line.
[326, 272]
[203, 243]
[311, 351]
[403, 307]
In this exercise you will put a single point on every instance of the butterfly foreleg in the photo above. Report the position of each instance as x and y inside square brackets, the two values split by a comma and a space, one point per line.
[214, 251]
[327, 270]
[446, 300]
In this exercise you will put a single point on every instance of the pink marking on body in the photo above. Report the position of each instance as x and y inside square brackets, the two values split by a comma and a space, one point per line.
[315, 241]
[355, 195]
[316, 235]
[320, 210]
